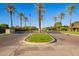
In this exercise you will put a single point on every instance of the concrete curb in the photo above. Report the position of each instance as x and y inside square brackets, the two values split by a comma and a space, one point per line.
[38, 43]
[23, 42]
[27, 36]
[55, 40]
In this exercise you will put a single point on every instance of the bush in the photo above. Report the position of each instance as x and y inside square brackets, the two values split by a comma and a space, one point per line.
[65, 28]
[27, 28]
[3, 27]
[2, 30]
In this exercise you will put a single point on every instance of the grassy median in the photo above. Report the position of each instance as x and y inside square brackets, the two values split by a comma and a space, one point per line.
[39, 38]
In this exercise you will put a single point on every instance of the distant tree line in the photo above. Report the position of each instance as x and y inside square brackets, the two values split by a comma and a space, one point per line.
[17, 28]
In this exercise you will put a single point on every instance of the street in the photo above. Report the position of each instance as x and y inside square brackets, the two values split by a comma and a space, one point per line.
[66, 45]
[10, 43]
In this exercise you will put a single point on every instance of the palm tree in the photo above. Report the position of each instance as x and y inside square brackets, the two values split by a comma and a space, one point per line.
[10, 8]
[21, 15]
[61, 16]
[55, 19]
[25, 18]
[30, 22]
[70, 11]
[40, 9]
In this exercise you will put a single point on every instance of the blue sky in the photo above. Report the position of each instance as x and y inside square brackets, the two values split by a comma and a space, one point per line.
[51, 10]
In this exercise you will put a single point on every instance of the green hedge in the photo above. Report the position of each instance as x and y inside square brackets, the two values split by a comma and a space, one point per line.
[2, 30]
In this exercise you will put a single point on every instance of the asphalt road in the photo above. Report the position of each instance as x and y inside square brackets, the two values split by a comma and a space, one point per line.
[11, 42]
[66, 45]
[66, 39]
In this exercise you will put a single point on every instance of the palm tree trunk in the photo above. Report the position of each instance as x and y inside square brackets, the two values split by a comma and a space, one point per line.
[70, 23]
[25, 23]
[11, 19]
[39, 26]
[39, 19]
[55, 25]
[21, 22]
[61, 24]
[39, 23]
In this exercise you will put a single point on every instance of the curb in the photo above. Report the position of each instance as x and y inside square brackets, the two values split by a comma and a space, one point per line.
[55, 40]
[23, 41]
[27, 36]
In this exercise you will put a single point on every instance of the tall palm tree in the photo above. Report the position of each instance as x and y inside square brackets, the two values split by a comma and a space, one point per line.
[25, 18]
[10, 8]
[61, 16]
[55, 19]
[30, 22]
[70, 11]
[40, 9]
[21, 15]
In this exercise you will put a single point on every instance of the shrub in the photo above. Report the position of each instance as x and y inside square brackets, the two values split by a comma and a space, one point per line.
[3, 27]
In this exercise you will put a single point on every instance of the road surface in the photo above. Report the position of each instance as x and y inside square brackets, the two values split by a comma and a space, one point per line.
[66, 45]
[10, 43]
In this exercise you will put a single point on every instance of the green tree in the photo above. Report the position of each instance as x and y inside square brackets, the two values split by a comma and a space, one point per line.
[55, 19]
[61, 16]
[58, 25]
[34, 28]
[75, 25]
[4, 26]
[65, 28]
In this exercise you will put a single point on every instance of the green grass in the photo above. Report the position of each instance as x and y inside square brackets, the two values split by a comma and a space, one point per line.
[39, 38]
[72, 32]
